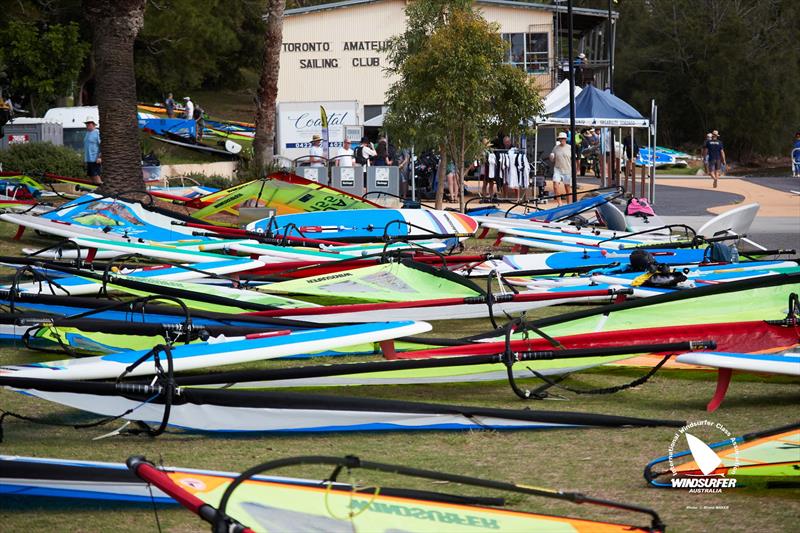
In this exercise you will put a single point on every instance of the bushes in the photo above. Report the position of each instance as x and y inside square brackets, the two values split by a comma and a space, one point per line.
[36, 158]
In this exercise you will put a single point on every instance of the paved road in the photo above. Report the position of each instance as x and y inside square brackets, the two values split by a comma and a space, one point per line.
[688, 205]
[784, 184]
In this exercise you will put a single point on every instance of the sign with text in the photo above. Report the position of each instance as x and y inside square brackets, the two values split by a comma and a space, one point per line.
[323, 54]
[298, 122]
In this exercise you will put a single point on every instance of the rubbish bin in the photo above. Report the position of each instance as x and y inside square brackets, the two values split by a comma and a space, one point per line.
[383, 179]
[349, 179]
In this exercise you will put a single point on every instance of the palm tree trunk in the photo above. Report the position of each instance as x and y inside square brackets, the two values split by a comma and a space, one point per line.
[264, 141]
[115, 25]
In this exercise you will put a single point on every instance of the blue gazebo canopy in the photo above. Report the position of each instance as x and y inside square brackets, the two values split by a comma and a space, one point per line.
[594, 107]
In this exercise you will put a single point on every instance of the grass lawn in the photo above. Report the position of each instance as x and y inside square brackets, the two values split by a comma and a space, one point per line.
[605, 463]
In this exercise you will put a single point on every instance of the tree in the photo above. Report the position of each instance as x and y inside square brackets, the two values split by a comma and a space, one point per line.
[186, 44]
[115, 24]
[42, 63]
[454, 85]
[718, 64]
[264, 141]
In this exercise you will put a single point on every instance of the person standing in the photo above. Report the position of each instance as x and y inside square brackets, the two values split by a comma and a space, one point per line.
[315, 151]
[345, 156]
[9, 104]
[404, 165]
[715, 151]
[705, 155]
[169, 105]
[382, 157]
[91, 152]
[561, 156]
[188, 107]
[631, 154]
[364, 153]
[487, 183]
[452, 183]
[199, 123]
[796, 155]
[588, 152]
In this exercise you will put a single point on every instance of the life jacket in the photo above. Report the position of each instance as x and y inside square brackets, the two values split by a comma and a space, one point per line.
[659, 275]
[639, 207]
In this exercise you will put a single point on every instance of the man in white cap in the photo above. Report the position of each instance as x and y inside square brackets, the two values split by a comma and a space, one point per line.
[345, 156]
[315, 151]
[580, 63]
[715, 152]
[188, 106]
[91, 152]
[561, 156]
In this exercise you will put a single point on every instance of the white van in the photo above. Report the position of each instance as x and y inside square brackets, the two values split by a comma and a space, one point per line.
[72, 120]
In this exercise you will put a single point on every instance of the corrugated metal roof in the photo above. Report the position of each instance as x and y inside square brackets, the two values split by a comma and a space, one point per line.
[508, 3]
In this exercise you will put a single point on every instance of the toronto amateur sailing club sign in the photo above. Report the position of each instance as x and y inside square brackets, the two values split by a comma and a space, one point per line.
[323, 54]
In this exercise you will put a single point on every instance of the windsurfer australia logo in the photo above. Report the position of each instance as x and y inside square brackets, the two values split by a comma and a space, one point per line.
[700, 469]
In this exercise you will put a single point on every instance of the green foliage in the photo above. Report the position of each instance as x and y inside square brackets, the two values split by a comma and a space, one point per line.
[454, 78]
[36, 158]
[42, 63]
[187, 44]
[453, 86]
[422, 19]
[730, 66]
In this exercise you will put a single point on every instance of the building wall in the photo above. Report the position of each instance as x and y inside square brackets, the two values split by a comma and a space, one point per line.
[337, 54]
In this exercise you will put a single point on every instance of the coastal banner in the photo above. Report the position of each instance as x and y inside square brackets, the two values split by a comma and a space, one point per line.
[297, 122]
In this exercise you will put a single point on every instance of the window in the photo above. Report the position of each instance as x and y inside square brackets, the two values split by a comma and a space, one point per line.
[528, 51]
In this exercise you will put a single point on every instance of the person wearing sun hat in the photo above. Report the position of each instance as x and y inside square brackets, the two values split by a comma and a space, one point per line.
[561, 156]
[315, 151]
[714, 150]
[91, 152]
[188, 107]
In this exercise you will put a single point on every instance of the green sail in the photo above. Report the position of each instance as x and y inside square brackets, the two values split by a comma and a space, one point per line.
[390, 282]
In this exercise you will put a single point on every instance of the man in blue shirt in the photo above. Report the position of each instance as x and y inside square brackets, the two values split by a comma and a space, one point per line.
[796, 155]
[716, 156]
[91, 152]
[169, 104]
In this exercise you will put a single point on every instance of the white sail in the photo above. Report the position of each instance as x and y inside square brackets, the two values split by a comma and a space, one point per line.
[704, 456]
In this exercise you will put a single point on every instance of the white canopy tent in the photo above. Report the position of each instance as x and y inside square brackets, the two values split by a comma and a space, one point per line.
[558, 98]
